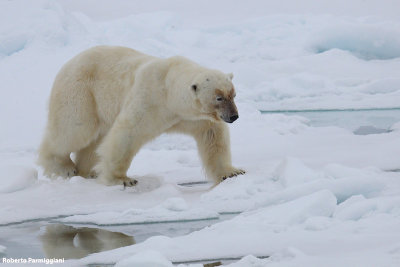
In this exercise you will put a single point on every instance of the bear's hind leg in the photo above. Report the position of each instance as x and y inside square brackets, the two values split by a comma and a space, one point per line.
[55, 164]
[87, 158]
[72, 126]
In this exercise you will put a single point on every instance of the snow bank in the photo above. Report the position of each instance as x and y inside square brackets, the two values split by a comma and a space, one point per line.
[290, 180]
[321, 203]
[249, 261]
[40, 24]
[358, 207]
[343, 189]
[293, 172]
[369, 42]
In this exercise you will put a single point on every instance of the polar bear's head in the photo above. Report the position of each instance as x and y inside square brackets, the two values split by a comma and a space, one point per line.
[215, 93]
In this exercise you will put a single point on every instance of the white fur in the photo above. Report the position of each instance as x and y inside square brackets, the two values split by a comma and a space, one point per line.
[107, 102]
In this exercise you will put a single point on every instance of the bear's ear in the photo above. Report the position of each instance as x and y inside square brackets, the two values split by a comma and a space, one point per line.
[230, 76]
[194, 88]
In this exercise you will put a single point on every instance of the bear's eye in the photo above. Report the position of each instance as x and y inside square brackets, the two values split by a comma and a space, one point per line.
[219, 98]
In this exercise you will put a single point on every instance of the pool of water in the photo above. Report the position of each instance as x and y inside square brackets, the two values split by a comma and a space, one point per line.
[54, 240]
[360, 121]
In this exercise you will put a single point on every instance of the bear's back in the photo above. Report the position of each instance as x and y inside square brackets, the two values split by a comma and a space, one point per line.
[107, 72]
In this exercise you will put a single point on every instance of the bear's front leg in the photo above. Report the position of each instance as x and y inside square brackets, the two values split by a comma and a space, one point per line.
[213, 142]
[118, 148]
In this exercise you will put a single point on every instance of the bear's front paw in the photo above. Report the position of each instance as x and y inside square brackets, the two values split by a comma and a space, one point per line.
[233, 173]
[128, 182]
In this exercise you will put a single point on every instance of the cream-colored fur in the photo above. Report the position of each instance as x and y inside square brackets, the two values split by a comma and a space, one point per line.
[107, 102]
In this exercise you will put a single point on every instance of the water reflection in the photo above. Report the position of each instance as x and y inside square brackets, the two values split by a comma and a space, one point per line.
[62, 241]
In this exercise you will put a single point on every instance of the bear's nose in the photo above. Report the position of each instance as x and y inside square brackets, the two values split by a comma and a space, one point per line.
[233, 118]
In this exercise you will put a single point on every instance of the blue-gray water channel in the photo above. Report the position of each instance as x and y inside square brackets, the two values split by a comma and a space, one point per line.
[359, 121]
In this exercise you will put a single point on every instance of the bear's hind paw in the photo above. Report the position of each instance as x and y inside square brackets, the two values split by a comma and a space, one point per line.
[125, 181]
[72, 172]
[65, 171]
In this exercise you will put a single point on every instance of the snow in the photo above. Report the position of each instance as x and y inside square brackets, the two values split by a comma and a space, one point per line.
[17, 178]
[249, 261]
[311, 196]
[305, 224]
[145, 259]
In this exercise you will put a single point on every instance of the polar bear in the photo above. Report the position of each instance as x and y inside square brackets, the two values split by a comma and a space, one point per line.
[107, 102]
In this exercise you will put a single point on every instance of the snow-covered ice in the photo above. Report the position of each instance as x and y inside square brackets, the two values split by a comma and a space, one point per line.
[315, 193]
[17, 178]
[145, 259]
